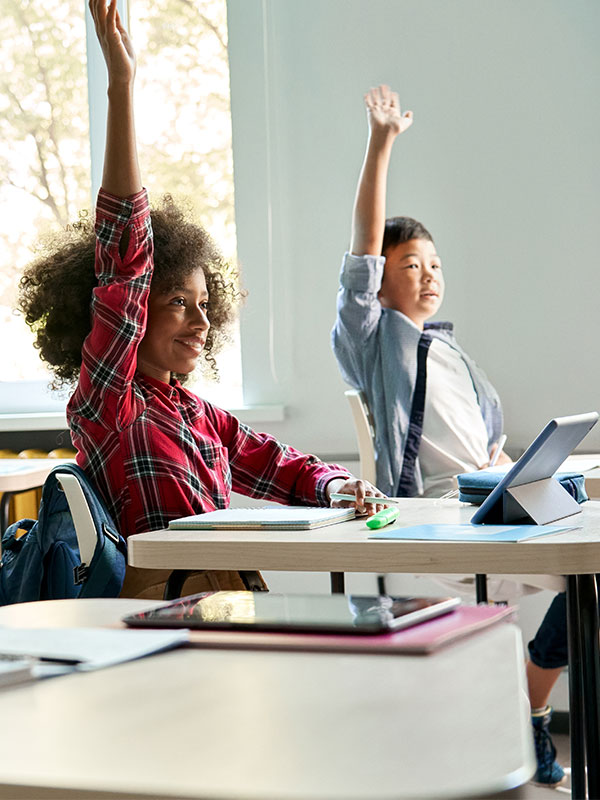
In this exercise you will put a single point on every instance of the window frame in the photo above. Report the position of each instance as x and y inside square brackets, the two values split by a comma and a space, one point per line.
[27, 405]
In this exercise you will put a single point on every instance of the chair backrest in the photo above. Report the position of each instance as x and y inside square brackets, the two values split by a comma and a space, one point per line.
[365, 433]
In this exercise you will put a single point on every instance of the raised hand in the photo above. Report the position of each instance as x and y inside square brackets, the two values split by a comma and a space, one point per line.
[383, 111]
[121, 176]
[386, 121]
[114, 40]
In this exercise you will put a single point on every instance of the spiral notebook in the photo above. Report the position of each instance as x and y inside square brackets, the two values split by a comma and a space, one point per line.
[294, 518]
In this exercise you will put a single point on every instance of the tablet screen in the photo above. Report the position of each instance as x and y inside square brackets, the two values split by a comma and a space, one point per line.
[335, 613]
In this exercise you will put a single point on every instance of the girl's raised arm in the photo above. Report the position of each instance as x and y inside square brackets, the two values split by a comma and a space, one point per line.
[385, 123]
[121, 176]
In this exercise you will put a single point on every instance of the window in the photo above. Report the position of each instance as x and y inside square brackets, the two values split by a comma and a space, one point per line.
[44, 149]
[184, 134]
[184, 131]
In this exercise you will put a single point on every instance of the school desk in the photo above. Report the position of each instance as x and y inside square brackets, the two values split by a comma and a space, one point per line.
[345, 548]
[243, 725]
[21, 475]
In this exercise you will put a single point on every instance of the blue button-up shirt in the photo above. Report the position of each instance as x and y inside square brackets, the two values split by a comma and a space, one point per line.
[384, 354]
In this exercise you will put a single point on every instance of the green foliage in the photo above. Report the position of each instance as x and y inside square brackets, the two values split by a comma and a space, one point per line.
[183, 88]
[43, 91]
[44, 147]
[182, 109]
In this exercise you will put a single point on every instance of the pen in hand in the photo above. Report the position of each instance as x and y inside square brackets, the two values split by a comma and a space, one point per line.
[499, 448]
[384, 501]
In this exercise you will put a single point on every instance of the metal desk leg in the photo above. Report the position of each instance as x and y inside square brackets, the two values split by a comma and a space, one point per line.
[174, 584]
[588, 612]
[481, 588]
[577, 730]
[337, 583]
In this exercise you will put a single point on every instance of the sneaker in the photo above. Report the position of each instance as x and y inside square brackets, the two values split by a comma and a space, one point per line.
[549, 772]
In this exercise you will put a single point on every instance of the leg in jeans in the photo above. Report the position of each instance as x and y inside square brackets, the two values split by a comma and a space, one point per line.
[548, 653]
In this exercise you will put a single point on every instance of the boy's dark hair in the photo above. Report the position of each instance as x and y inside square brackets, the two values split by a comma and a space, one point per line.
[402, 229]
[55, 291]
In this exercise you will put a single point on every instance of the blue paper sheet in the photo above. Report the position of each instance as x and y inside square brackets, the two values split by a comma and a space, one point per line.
[470, 533]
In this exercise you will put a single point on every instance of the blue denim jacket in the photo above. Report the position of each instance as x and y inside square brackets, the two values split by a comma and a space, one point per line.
[384, 354]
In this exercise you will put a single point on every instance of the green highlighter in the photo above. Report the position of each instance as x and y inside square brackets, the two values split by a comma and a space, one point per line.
[383, 518]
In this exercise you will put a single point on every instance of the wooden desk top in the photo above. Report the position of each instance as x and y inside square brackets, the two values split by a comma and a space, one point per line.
[21, 474]
[268, 725]
[345, 547]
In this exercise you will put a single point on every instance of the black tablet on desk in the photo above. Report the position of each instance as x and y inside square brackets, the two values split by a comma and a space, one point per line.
[527, 492]
[266, 611]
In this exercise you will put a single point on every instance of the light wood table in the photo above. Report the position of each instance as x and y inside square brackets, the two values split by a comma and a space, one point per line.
[346, 548]
[197, 723]
[22, 475]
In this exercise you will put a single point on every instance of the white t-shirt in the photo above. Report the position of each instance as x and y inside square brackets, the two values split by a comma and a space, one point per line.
[454, 436]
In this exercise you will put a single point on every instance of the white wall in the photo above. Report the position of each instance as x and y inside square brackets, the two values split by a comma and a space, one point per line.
[502, 164]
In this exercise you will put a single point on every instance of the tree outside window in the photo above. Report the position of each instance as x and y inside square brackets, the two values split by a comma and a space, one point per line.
[184, 132]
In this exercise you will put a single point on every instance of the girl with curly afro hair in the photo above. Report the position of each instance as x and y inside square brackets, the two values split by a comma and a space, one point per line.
[126, 315]
[56, 290]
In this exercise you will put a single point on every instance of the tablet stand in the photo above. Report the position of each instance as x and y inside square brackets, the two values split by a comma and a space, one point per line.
[538, 503]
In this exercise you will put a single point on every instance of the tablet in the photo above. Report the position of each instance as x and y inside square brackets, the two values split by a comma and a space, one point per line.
[540, 461]
[265, 611]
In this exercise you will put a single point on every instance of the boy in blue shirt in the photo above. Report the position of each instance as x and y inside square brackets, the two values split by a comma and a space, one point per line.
[391, 284]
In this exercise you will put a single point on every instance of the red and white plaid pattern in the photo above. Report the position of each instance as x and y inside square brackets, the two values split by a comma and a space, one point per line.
[156, 451]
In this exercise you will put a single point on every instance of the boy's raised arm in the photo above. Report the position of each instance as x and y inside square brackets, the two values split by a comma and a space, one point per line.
[385, 123]
[121, 176]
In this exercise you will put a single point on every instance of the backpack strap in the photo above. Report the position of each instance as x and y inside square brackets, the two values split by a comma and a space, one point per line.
[101, 550]
[85, 529]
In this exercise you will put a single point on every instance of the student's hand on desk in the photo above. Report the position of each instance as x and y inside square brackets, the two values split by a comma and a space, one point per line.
[359, 489]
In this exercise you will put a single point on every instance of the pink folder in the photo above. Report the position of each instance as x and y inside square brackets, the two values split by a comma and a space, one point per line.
[420, 639]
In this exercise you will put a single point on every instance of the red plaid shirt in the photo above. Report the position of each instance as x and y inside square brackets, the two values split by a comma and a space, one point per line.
[154, 450]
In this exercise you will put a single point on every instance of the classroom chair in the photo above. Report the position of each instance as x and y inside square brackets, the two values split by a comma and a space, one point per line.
[365, 434]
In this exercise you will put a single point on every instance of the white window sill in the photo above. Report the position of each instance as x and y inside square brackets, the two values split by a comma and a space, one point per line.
[57, 420]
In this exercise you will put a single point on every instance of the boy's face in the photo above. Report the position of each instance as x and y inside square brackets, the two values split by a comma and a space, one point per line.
[412, 280]
[176, 330]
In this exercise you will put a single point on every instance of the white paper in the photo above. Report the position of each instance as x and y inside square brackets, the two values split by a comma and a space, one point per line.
[583, 463]
[92, 648]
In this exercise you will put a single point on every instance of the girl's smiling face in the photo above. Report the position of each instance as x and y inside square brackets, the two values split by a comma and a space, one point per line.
[412, 280]
[176, 330]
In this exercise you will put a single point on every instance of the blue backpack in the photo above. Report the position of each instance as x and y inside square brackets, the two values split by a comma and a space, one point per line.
[41, 559]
